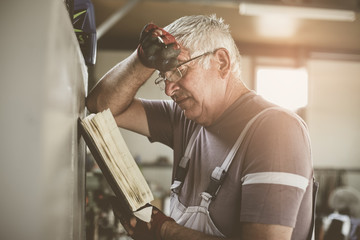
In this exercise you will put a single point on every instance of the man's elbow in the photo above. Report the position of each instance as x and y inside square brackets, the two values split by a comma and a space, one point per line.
[91, 105]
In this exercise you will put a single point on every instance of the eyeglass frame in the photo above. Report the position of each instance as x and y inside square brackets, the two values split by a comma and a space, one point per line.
[162, 77]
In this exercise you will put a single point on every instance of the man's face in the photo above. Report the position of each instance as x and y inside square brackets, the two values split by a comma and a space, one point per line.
[199, 93]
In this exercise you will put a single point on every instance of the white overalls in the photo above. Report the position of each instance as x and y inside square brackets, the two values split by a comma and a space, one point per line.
[198, 217]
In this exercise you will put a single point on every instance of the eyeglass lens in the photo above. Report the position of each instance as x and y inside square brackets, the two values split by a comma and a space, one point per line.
[174, 76]
[177, 74]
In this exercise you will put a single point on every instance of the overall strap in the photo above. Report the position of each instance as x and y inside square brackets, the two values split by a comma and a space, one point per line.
[219, 173]
[184, 162]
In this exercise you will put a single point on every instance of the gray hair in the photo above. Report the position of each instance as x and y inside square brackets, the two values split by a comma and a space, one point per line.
[200, 34]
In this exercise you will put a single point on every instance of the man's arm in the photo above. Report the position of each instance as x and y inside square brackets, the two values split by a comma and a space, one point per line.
[116, 90]
[162, 227]
[265, 231]
[249, 231]
[157, 49]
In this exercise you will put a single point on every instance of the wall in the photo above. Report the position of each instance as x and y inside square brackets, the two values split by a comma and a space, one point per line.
[42, 89]
[333, 113]
[333, 117]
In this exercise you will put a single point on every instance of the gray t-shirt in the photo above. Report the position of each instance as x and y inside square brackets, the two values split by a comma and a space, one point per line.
[269, 179]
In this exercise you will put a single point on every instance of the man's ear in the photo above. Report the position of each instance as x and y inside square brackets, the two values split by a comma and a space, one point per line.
[223, 59]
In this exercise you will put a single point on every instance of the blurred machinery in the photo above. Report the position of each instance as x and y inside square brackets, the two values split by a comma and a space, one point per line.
[101, 223]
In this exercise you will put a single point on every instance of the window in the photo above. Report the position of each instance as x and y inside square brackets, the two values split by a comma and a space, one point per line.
[287, 87]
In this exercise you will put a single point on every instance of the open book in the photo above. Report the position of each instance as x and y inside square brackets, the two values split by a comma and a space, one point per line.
[119, 168]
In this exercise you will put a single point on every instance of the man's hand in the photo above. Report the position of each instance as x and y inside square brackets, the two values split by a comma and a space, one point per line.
[158, 49]
[136, 228]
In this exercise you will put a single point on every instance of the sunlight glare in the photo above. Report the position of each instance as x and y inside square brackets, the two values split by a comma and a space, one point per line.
[286, 87]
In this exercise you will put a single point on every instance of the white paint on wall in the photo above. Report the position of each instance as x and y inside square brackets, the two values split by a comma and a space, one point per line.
[42, 90]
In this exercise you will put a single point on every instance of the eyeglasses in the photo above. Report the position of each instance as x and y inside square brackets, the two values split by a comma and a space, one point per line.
[177, 74]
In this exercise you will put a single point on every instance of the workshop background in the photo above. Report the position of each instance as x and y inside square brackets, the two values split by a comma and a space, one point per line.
[52, 53]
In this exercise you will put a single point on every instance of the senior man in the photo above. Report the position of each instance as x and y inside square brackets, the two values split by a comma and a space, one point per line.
[242, 165]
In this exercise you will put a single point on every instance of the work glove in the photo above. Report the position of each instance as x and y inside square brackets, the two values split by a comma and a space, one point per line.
[158, 49]
[136, 228]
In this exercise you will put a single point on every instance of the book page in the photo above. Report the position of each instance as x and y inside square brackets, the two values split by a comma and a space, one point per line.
[106, 135]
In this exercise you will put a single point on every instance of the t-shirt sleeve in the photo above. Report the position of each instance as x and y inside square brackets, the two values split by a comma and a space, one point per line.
[160, 117]
[277, 170]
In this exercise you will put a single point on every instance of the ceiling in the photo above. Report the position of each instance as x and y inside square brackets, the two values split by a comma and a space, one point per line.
[250, 33]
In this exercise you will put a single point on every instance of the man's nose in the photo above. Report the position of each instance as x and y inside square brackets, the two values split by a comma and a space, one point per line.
[170, 87]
